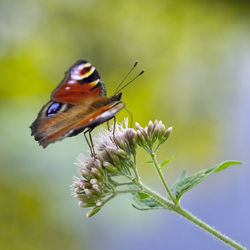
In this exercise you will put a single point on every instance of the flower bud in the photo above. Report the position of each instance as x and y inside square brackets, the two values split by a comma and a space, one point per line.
[150, 128]
[88, 165]
[79, 190]
[79, 196]
[162, 130]
[85, 204]
[82, 204]
[155, 133]
[85, 173]
[84, 184]
[165, 134]
[143, 131]
[168, 132]
[96, 173]
[96, 187]
[119, 141]
[114, 159]
[93, 181]
[130, 138]
[93, 211]
[140, 138]
[111, 168]
[137, 125]
[88, 191]
[75, 185]
[98, 203]
[121, 153]
[155, 122]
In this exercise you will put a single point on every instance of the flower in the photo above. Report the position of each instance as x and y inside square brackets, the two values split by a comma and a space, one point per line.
[146, 137]
[115, 157]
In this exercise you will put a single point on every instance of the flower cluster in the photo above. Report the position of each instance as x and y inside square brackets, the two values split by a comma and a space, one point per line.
[146, 137]
[114, 166]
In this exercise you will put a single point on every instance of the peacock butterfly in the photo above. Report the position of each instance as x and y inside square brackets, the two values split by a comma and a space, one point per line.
[78, 104]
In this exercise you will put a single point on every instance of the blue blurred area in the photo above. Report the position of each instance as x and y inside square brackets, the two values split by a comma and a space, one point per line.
[197, 60]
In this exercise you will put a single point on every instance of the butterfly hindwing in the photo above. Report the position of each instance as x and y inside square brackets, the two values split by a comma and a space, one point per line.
[73, 120]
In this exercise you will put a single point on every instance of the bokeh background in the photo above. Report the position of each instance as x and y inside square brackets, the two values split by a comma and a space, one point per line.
[197, 60]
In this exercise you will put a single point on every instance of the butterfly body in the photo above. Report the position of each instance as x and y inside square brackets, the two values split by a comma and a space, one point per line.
[78, 103]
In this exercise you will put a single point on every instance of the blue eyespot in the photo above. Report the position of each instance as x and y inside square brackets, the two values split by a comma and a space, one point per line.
[54, 108]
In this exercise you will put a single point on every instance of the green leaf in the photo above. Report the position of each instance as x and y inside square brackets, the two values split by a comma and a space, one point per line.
[167, 161]
[226, 164]
[143, 201]
[148, 162]
[142, 195]
[185, 183]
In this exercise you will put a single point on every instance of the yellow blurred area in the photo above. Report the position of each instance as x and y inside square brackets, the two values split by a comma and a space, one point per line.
[193, 53]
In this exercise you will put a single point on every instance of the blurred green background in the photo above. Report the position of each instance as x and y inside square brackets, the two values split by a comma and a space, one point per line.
[197, 60]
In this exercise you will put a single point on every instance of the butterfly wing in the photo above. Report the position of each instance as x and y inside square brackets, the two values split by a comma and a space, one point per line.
[80, 86]
[81, 81]
[75, 119]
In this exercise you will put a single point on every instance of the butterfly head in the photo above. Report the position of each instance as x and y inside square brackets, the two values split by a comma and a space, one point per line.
[116, 98]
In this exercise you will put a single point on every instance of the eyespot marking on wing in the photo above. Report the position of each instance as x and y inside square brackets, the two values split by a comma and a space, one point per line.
[81, 71]
[53, 109]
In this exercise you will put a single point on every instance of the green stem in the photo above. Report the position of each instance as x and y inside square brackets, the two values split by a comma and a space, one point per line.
[208, 228]
[127, 191]
[181, 211]
[157, 197]
[123, 183]
[158, 169]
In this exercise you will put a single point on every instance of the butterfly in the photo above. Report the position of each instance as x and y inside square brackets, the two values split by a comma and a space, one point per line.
[78, 104]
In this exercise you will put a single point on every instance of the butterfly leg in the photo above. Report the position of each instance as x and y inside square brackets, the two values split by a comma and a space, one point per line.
[90, 148]
[114, 126]
[92, 144]
[114, 131]
[108, 126]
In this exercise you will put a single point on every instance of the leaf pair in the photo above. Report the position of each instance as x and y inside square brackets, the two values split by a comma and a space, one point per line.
[163, 163]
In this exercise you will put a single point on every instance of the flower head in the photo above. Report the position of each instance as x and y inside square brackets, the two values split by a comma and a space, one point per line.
[115, 157]
[146, 137]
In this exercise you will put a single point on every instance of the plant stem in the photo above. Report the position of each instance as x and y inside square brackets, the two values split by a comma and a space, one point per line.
[158, 169]
[208, 228]
[124, 183]
[181, 211]
[127, 191]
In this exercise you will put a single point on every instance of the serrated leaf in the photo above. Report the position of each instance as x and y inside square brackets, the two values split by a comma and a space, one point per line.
[167, 161]
[185, 183]
[143, 201]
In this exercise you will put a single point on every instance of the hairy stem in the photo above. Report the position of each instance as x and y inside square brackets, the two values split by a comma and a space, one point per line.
[181, 211]
[208, 228]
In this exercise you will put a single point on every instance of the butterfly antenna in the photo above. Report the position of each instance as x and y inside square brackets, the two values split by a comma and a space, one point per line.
[130, 81]
[136, 62]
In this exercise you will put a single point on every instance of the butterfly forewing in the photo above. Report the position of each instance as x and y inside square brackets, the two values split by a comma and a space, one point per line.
[81, 81]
